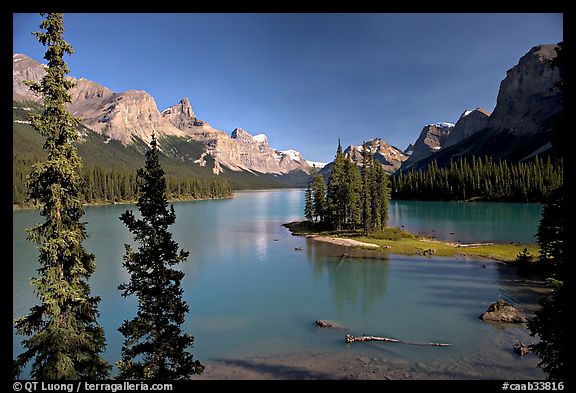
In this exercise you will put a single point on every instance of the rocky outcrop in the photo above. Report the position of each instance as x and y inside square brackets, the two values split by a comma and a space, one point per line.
[389, 156]
[469, 123]
[181, 115]
[503, 312]
[430, 141]
[24, 68]
[529, 96]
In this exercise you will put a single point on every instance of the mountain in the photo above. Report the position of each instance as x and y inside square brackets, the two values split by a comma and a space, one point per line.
[431, 139]
[132, 117]
[528, 107]
[469, 123]
[389, 156]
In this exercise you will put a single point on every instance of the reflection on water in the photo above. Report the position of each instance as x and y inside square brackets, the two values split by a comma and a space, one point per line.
[357, 279]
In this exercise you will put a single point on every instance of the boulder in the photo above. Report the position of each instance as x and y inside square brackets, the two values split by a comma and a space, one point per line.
[503, 312]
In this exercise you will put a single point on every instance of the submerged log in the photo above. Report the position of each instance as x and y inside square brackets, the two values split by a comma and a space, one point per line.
[351, 339]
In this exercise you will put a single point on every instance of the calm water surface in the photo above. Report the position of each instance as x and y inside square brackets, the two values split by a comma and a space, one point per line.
[252, 294]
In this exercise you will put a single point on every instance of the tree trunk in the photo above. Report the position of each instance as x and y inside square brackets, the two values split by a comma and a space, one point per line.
[350, 339]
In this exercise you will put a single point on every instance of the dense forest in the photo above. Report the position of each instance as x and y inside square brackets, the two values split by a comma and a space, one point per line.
[481, 179]
[353, 198]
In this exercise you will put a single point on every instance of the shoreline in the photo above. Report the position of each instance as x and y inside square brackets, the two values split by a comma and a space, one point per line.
[356, 364]
[411, 244]
[16, 207]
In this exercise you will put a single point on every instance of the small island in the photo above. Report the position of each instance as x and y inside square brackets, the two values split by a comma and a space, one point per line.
[399, 241]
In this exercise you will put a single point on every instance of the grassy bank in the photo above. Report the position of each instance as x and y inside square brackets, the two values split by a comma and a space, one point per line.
[398, 241]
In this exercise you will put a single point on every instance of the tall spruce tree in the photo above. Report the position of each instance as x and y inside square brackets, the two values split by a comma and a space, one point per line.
[550, 323]
[318, 196]
[155, 346]
[366, 197]
[308, 208]
[336, 192]
[66, 340]
[352, 199]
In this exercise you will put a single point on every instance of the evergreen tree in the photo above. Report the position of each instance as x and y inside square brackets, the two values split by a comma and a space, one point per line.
[380, 197]
[66, 338]
[318, 196]
[351, 196]
[308, 208]
[155, 346]
[367, 180]
[551, 321]
[336, 192]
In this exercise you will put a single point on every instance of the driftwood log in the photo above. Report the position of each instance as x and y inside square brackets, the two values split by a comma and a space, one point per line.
[351, 339]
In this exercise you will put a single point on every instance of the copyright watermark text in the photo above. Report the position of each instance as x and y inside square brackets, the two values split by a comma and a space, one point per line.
[83, 386]
[533, 386]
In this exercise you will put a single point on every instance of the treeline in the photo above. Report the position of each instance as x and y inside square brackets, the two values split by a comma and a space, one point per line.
[353, 198]
[481, 179]
[111, 185]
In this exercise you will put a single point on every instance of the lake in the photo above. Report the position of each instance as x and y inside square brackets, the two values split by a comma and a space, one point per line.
[251, 293]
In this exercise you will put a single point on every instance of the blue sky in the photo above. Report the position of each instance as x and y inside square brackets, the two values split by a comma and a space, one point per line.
[305, 80]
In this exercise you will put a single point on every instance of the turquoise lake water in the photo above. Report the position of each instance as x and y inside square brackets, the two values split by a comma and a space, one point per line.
[251, 293]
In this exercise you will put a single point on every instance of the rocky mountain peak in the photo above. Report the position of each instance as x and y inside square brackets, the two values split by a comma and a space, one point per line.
[181, 115]
[431, 139]
[389, 156]
[529, 96]
[470, 122]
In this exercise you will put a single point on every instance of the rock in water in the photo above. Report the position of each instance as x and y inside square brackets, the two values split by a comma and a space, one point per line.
[520, 348]
[324, 324]
[503, 312]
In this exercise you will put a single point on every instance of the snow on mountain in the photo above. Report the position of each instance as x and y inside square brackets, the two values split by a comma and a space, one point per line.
[294, 155]
[317, 164]
[442, 124]
[261, 138]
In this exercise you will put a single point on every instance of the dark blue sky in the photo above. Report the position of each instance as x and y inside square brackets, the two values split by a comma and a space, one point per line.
[305, 80]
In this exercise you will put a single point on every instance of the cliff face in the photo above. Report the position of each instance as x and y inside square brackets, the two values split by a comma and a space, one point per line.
[469, 123]
[529, 97]
[431, 139]
[528, 107]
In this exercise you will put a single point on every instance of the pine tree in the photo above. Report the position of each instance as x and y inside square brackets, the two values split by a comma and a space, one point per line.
[155, 347]
[550, 323]
[308, 208]
[66, 338]
[336, 192]
[366, 198]
[318, 196]
[351, 196]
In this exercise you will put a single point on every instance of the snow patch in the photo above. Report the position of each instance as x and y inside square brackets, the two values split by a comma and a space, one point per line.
[443, 124]
[294, 155]
[17, 60]
[466, 113]
[23, 121]
[319, 165]
[437, 148]
[261, 138]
